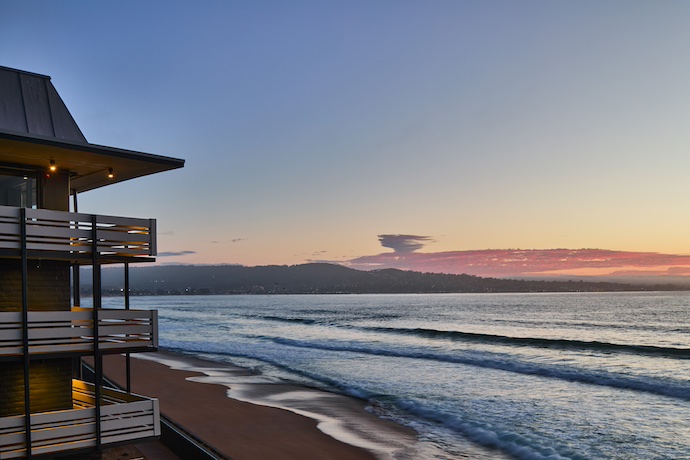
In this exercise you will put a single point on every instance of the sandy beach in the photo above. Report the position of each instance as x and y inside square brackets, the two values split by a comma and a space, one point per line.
[245, 416]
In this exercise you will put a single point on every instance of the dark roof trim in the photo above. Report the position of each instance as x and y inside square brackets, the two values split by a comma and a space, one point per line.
[24, 72]
[92, 148]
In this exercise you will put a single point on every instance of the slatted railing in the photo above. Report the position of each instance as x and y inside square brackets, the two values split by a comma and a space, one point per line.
[65, 234]
[124, 417]
[72, 331]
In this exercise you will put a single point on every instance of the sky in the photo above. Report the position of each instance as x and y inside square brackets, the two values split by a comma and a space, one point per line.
[357, 131]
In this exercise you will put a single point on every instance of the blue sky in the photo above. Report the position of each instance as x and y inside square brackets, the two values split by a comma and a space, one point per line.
[311, 127]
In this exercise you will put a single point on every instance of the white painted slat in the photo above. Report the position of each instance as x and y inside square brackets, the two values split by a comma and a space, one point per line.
[112, 313]
[124, 329]
[12, 351]
[12, 334]
[9, 228]
[83, 314]
[47, 214]
[57, 247]
[66, 348]
[135, 222]
[9, 211]
[11, 422]
[122, 424]
[58, 332]
[57, 417]
[33, 231]
[11, 440]
[122, 234]
[65, 431]
[14, 454]
[117, 250]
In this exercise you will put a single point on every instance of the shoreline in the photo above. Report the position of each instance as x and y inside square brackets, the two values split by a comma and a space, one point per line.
[248, 416]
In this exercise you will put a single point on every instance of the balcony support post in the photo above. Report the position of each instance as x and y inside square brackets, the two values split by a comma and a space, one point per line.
[75, 207]
[127, 357]
[76, 290]
[76, 285]
[25, 333]
[76, 294]
[97, 358]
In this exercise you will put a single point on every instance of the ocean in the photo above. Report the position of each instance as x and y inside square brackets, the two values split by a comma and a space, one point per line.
[523, 376]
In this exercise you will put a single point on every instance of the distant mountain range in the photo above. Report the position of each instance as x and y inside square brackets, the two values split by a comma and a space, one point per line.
[321, 278]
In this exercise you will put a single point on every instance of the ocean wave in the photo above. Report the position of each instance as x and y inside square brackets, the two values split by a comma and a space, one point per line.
[219, 349]
[517, 445]
[327, 320]
[286, 319]
[537, 342]
[644, 384]
[580, 324]
[668, 352]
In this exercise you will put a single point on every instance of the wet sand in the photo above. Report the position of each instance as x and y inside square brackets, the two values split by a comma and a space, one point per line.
[248, 416]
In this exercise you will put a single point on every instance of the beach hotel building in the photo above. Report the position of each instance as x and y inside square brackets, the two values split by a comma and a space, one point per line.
[45, 161]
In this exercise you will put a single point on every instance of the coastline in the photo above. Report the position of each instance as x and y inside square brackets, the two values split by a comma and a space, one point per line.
[247, 416]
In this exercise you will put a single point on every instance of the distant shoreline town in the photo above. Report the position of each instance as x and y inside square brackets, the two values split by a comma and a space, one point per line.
[321, 278]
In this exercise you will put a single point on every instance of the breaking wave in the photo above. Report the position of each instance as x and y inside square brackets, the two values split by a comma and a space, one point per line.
[637, 383]
[669, 352]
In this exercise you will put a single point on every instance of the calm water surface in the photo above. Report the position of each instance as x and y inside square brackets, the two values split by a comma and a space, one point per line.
[526, 376]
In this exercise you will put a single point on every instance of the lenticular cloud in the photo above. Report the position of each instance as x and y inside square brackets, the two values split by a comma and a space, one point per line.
[404, 243]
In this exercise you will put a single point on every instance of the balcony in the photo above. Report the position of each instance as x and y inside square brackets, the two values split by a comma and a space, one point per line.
[123, 417]
[58, 332]
[75, 237]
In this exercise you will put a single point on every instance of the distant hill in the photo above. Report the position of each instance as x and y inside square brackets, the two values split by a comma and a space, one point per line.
[320, 278]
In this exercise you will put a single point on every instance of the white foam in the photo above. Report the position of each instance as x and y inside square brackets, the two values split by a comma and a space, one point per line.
[337, 416]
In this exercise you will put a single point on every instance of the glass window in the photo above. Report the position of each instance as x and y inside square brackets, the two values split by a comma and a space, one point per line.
[18, 190]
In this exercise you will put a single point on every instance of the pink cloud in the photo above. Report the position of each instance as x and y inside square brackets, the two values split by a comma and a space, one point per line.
[510, 263]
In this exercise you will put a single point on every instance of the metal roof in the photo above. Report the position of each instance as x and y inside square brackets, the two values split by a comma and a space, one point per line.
[36, 127]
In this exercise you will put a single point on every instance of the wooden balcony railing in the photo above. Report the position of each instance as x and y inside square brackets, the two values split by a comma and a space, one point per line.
[54, 332]
[124, 417]
[70, 235]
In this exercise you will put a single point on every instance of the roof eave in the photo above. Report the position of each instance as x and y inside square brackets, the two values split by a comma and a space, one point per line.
[87, 163]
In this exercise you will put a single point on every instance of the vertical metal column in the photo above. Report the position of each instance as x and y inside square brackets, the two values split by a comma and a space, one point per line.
[97, 358]
[25, 332]
[76, 294]
[76, 288]
[76, 285]
[127, 358]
